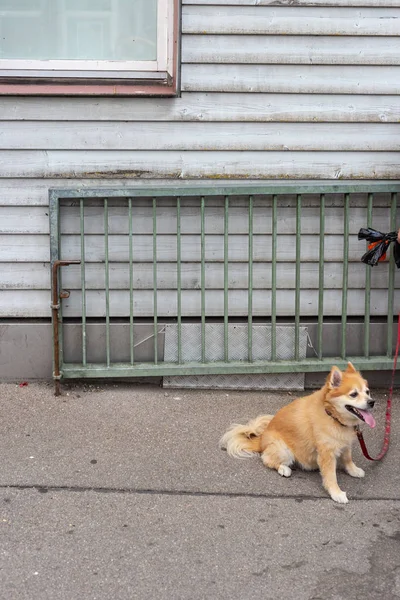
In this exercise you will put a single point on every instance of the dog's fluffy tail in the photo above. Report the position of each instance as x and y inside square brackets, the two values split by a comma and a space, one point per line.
[242, 441]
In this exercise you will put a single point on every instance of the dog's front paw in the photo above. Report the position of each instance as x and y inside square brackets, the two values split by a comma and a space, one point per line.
[356, 472]
[284, 471]
[340, 497]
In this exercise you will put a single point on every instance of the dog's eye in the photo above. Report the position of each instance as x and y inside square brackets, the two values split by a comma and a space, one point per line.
[367, 392]
[353, 394]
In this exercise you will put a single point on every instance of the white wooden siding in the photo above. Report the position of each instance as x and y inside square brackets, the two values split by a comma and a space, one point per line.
[291, 79]
[199, 106]
[323, 3]
[287, 20]
[133, 165]
[287, 49]
[27, 135]
[270, 90]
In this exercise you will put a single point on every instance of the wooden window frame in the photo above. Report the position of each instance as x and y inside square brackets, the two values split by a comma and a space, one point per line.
[102, 78]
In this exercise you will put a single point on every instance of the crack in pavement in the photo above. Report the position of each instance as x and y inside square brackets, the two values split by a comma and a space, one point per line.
[43, 489]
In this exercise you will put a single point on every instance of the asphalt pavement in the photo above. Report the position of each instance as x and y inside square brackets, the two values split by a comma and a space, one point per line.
[120, 492]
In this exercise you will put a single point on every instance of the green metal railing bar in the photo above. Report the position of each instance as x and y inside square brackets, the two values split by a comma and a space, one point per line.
[367, 309]
[226, 277]
[55, 253]
[107, 282]
[298, 274]
[130, 241]
[203, 281]
[155, 304]
[179, 276]
[345, 275]
[273, 275]
[250, 285]
[83, 282]
[390, 311]
[313, 365]
[321, 272]
[228, 190]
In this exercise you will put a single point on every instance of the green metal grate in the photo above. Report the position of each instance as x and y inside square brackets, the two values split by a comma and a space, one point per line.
[271, 195]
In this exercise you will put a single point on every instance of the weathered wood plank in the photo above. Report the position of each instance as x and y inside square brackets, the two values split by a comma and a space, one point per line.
[15, 219]
[26, 248]
[35, 192]
[290, 20]
[25, 276]
[30, 135]
[192, 165]
[278, 49]
[35, 303]
[21, 219]
[323, 3]
[300, 79]
[213, 106]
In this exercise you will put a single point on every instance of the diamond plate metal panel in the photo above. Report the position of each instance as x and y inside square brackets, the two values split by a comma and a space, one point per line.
[237, 350]
[269, 381]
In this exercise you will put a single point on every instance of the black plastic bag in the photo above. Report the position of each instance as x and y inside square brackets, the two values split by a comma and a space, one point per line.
[379, 246]
[396, 253]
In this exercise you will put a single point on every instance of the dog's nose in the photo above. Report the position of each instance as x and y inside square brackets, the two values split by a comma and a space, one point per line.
[371, 403]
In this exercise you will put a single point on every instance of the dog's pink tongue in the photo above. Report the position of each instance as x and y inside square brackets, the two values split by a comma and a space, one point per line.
[368, 418]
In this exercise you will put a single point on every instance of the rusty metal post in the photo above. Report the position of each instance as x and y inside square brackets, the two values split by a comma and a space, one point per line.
[56, 296]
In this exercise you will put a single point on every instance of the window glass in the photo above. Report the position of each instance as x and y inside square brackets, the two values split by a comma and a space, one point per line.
[124, 30]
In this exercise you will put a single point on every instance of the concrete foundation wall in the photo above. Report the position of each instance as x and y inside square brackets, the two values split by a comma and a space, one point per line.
[26, 347]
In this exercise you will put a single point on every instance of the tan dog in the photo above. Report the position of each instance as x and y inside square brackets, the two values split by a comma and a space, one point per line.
[313, 431]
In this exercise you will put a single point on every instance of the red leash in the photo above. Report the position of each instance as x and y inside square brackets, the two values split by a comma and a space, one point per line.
[388, 409]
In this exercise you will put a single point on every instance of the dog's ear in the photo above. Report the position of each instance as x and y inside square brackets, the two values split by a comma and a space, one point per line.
[334, 378]
[351, 368]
